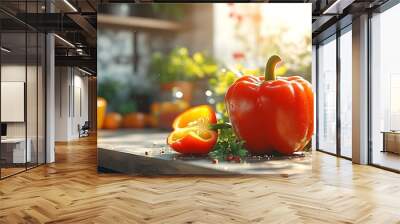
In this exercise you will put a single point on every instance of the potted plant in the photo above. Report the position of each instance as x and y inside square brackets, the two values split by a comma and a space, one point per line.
[177, 74]
[177, 71]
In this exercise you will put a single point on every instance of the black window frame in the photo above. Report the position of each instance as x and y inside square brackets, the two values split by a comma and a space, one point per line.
[333, 37]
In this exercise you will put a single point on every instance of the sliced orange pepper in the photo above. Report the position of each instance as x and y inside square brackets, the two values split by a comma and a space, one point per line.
[192, 133]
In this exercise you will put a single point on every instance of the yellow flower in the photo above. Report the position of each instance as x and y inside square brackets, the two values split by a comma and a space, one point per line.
[183, 51]
[210, 69]
[198, 58]
[281, 70]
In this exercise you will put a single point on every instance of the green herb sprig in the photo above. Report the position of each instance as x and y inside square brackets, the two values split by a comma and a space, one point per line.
[228, 146]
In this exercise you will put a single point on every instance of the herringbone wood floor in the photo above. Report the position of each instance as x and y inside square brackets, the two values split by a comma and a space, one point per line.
[71, 191]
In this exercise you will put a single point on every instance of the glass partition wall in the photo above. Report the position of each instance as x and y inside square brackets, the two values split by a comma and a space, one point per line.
[13, 88]
[22, 98]
[385, 90]
[345, 65]
[335, 126]
[334, 94]
[327, 96]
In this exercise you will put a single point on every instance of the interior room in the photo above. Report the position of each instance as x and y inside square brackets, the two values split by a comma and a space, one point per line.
[46, 86]
[64, 67]
[22, 99]
[72, 103]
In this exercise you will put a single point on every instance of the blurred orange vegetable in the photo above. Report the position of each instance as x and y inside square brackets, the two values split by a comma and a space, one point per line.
[112, 120]
[169, 111]
[134, 120]
[151, 121]
[176, 106]
[101, 111]
[155, 108]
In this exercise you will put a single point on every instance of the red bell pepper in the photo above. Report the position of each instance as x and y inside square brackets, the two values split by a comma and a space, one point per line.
[271, 114]
[192, 133]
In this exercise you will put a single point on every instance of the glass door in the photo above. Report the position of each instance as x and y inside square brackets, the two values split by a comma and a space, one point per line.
[346, 95]
[14, 153]
[22, 77]
[326, 117]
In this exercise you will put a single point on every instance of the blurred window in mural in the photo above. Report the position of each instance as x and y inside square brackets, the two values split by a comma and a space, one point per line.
[245, 35]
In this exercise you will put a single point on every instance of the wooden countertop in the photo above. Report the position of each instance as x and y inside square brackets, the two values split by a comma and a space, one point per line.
[146, 153]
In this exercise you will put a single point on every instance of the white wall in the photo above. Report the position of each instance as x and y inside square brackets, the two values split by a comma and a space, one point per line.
[62, 81]
[71, 102]
[16, 73]
[34, 125]
[80, 109]
[12, 73]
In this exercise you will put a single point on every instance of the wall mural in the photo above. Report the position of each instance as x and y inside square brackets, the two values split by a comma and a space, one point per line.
[194, 93]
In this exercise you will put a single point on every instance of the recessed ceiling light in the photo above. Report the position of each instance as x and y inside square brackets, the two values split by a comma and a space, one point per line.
[65, 41]
[84, 71]
[5, 50]
[337, 7]
[70, 5]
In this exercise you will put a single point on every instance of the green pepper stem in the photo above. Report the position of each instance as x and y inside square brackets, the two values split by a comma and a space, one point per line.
[270, 68]
[219, 126]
